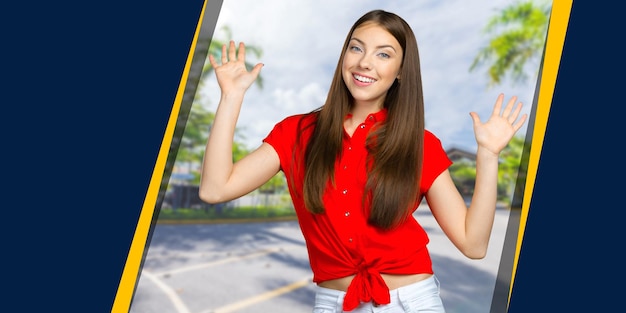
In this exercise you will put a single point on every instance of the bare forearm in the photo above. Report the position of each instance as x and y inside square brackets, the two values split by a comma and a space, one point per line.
[480, 216]
[218, 157]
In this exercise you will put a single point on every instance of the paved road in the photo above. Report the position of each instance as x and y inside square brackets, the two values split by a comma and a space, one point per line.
[263, 267]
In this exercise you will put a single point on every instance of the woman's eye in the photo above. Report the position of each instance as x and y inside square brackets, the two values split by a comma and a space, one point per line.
[384, 55]
[355, 48]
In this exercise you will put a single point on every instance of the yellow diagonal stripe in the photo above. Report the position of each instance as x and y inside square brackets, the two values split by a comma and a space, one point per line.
[559, 18]
[131, 268]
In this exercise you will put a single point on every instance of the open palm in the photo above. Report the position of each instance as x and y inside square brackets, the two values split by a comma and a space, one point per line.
[232, 74]
[496, 133]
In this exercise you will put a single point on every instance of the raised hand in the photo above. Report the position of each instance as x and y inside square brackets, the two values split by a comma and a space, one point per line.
[232, 75]
[496, 133]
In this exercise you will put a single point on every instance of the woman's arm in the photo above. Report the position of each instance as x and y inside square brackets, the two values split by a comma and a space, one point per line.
[469, 229]
[221, 179]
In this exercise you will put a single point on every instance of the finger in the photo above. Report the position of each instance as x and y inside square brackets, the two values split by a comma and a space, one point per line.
[498, 106]
[241, 56]
[231, 54]
[212, 61]
[475, 118]
[515, 114]
[224, 55]
[257, 68]
[509, 106]
[519, 123]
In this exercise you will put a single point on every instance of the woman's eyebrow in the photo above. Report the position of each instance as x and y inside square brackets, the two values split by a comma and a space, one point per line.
[377, 47]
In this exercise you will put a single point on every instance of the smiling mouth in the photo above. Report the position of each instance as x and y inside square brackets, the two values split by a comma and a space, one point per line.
[363, 79]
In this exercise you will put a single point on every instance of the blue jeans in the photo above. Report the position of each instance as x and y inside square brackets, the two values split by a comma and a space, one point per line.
[419, 297]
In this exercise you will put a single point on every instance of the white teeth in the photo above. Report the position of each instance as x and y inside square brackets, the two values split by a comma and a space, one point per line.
[364, 79]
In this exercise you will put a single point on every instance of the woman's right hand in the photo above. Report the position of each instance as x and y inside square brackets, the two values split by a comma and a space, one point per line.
[232, 75]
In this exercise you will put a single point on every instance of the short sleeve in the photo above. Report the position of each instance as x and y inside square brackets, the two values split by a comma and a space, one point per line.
[435, 161]
[280, 138]
[284, 135]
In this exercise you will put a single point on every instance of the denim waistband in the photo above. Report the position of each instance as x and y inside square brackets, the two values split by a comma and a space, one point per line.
[334, 298]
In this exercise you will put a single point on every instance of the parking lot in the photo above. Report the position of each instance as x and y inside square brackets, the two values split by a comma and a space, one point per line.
[263, 267]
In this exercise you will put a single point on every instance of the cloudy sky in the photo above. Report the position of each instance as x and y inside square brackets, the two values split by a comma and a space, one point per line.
[302, 41]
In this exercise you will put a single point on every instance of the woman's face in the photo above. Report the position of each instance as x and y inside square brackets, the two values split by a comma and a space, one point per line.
[371, 63]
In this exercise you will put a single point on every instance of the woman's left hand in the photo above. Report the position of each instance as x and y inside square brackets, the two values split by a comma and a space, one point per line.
[496, 133]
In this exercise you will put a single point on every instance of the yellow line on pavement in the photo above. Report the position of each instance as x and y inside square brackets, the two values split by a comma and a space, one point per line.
[262, 297]
[178, 303]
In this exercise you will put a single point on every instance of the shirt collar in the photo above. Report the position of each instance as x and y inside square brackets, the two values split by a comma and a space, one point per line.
[373, 117]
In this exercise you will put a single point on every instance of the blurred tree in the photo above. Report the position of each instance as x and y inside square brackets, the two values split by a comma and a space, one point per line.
[191, 150]
[463, 172]
[518, 35]
[199, 121]
[464, 176]
[510, 159]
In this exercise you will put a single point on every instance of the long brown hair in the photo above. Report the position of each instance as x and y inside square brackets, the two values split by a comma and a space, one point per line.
[395, 147]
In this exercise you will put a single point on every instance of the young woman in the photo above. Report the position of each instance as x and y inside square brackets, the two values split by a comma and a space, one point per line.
[359, 166]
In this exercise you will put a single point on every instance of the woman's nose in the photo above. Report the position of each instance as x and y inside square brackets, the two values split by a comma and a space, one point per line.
[365, 62]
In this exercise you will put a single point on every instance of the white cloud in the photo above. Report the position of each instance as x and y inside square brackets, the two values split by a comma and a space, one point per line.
[293, 101]
[301, 43]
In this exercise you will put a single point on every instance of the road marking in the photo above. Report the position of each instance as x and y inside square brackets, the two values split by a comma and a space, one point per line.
[166, 255]
[220, 262]
[233, 307]
[169, 292]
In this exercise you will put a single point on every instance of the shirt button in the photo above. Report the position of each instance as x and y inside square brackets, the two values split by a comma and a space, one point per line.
[362, 126]
[345, 191]
[345, 167]
[349, 148]
[349, 239]
[347, 214]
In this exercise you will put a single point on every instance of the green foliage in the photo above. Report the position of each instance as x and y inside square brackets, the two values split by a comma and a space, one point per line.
[227, 213]
[464, 173]
[517, 36]
[276, 184]
[510, 159]
[198, 122]
[196, 132]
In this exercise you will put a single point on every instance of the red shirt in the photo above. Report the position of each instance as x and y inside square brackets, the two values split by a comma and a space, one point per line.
[340, 242]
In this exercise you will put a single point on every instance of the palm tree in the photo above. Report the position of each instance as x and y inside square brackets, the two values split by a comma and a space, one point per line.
[519, 32]
[517, 36]
[199, 119]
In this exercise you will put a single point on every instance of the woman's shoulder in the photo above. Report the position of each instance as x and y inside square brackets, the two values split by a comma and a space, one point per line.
[289, 130]
[298, 120]
[430, 136]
